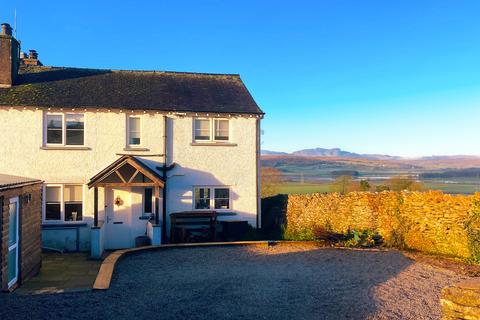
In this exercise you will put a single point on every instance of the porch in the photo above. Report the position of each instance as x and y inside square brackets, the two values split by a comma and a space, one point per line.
[132, 214]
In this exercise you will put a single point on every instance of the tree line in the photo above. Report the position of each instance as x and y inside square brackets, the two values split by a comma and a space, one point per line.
[272, 178]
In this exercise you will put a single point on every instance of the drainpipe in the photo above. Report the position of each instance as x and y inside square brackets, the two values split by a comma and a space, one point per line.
[164, 172]
[258, 174]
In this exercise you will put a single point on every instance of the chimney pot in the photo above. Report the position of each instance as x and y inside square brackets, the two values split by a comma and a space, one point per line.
[6, 29]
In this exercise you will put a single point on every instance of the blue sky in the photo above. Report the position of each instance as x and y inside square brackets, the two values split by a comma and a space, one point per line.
[394, 77]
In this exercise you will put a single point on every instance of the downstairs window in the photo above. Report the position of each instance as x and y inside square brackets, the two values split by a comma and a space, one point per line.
[64, 203]
[208, 198]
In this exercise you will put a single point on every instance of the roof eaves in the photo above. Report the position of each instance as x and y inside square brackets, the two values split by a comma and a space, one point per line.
[9, 186]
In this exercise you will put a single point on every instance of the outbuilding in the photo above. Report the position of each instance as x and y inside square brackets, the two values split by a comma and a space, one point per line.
[20, 230]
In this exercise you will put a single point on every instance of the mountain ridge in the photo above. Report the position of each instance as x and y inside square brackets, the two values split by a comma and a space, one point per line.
[339, 153]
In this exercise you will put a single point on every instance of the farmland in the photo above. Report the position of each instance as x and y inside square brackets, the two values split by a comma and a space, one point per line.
[453, 188]
[317, 174]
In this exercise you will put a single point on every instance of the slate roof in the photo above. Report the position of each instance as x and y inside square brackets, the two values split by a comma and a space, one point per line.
[40, 86]
[8, 181]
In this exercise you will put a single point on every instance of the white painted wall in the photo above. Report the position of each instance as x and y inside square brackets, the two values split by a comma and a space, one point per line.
[21, 140]
[233, 166]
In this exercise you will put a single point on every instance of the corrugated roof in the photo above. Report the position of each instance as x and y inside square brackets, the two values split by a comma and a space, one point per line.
[61, 87]
[9, 181]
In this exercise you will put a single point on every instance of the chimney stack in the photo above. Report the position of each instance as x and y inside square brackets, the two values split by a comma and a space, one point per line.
[32, 54]
[30, 59]
[9, 57]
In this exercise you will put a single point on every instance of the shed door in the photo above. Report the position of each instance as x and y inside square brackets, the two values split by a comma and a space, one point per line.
[12, 260]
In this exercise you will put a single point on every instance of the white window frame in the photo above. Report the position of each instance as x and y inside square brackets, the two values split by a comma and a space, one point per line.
[212, 198]
[128, 131]
[64, 129]
[62, 204]
[212, 130]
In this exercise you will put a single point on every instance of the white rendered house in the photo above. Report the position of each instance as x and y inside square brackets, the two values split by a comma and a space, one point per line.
[120, 151]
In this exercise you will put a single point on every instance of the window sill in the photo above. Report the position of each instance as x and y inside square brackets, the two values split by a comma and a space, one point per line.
[64, 148]
[54, 225]
[219, 212]
[135, 149]
[226, 213]
[214, 144]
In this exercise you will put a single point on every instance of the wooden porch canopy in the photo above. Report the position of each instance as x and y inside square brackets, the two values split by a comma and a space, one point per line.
[127, 171]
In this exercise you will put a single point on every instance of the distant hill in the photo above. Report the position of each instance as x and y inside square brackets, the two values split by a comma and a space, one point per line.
[334, 153]
[320, 163]
[273, 153]
[339, 153]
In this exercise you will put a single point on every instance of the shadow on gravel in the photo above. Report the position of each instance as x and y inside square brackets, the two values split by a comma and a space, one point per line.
[226, 283]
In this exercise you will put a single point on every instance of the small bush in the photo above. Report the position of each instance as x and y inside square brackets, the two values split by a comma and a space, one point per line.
[304, 235]
[362, 239]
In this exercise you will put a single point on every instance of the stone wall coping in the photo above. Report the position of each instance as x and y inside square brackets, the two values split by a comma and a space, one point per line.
[470, 284]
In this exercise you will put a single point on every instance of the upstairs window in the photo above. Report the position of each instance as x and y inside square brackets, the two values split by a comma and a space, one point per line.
[202, 129]
[221, 129]
[211, 130]
[65, 129]
[134, 131]
[54, 129]
[64, 203]
[208, 198]
[74, 129]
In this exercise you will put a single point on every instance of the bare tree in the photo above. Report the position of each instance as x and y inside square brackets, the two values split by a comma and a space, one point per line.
[343, 184]
[270, 180]
[364, 185]
[400, 183]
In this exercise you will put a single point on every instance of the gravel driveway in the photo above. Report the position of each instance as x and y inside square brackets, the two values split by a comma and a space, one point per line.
[280, 282]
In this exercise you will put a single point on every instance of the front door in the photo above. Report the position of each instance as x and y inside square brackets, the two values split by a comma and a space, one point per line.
[12, 261]
[118, 216]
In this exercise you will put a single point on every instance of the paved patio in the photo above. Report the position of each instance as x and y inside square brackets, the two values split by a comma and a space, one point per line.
[68, 272]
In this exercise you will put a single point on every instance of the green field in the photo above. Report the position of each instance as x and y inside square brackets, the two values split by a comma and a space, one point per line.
[455, 188]
[303, 188]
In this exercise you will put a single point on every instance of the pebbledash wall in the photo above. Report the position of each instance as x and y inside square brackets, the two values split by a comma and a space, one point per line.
[29, 232]
[430, 222]
[23, 154]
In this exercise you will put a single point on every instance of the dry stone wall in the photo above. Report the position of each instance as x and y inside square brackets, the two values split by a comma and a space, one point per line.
[431, 222]
[462, 300]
